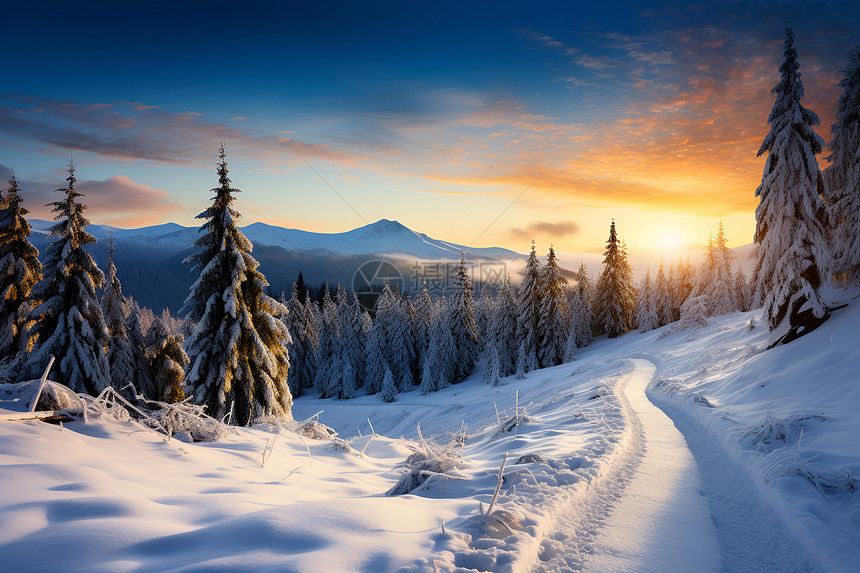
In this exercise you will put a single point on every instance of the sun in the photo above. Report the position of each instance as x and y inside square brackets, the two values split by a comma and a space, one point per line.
[670, 240]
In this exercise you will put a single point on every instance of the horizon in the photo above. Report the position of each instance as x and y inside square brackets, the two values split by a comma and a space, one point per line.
[515, 127]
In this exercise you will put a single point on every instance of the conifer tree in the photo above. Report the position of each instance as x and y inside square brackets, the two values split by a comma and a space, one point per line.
[389, 388]
[461, 320]
[446, 350]
[552, 322]
[722, 291]
[682, 287]
[142, 380]
[492, 372]
[167, 361]
[421, 325]
[663, 304]
[503, 327]
[646, 305]
[328, 354]
[238, 352]
[300, 376]
[353, 342]
[615, 291]
[116, 311]
[522, 360]
[580, 308]
[483, 315]
[790, 218]
[69, 322]
[20, 271]
[843, 175]
[529, 310]
[741, 291]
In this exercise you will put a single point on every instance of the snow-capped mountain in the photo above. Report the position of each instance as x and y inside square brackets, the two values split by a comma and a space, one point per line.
[382, 237]
[149, 260]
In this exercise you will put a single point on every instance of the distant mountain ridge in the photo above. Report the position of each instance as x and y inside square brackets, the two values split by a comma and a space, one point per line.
[382, 237]
[149, 259]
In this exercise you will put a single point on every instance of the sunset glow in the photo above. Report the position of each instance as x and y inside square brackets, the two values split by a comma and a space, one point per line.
[536, 123]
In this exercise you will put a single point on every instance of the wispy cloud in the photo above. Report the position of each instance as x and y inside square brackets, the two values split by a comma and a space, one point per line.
[117, 201]
[547, 229]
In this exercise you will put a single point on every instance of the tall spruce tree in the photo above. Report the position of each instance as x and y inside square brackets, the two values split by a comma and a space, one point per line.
[328, 354]
[142, 380]
[615, 298]
[581, 314]
[663, 303]
[461, 319]
[646, 305]
[301, 373]
[503, 327]
[20, 271]
[69, 322]
[722, 290]
[529, 310]
[167, 361]
[238, 351]
[790, 218]
[116, 310]
[843, 174]
[552, 323]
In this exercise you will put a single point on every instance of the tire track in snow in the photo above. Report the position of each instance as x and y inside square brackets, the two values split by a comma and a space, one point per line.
[752, 536]
[569, 544]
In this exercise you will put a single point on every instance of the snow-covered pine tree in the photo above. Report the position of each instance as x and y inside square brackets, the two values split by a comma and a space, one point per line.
[646, 305]
[167, 361]
[353, 342]
[741, 291]
[793, 259]
[614, 299]
[492, 372]
[300, 376]
[580, 308]
[376, 362]
[483, 316]
[238, 352]
[843, 174]
[116, 312]
[446, 350]
[461, 320]
[706, 272]
[663, 304]
[521, 362]
[552, 322]
[421, 325]
[682, 286]
[327, 374]
[529, 310]
[20, 271]
[69, 321]
[389, 388]
[722, 289]
[142, 379]
[503, 327]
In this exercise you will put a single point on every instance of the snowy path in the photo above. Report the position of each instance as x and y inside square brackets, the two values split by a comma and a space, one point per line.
[662, 522]
[671, 501]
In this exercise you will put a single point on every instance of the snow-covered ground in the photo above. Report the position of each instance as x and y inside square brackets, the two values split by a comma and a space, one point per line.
[745, 464]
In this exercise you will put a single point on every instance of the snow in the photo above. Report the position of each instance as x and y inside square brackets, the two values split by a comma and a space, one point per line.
[613, 482]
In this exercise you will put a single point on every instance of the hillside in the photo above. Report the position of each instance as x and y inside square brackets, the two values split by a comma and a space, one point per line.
[761, 475]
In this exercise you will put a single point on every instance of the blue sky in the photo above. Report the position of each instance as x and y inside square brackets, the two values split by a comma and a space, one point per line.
[485, 122]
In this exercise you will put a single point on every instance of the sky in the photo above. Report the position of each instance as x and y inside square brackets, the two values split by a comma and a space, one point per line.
[480, 123]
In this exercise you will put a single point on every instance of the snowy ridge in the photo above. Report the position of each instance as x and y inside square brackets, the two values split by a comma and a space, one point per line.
[383, 236]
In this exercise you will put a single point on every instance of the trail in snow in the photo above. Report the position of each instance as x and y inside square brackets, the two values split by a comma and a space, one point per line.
[662, 522]
[670, 501]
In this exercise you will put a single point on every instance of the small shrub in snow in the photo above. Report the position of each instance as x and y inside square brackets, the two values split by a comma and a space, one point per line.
[425, 462]
[699, 398]
[186, 418]
[826, 480]
[530, 459]
[774, 432]
[316, 431]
